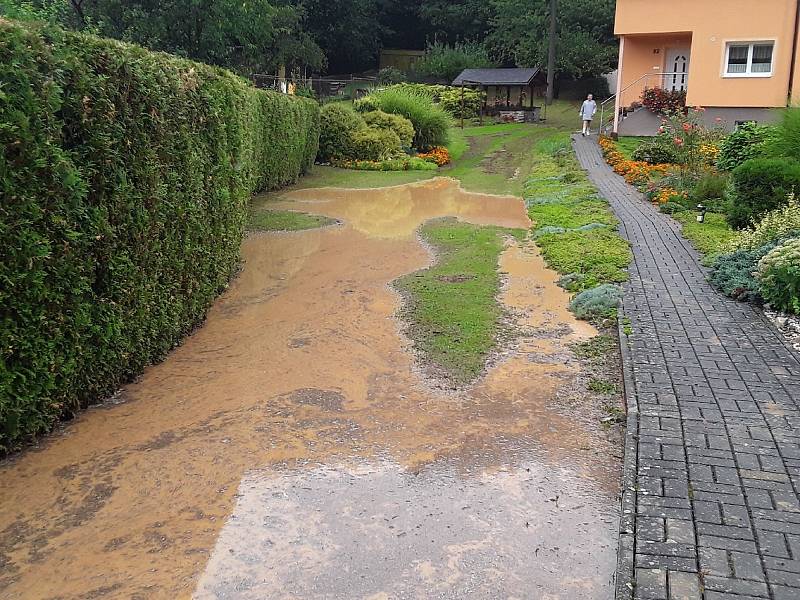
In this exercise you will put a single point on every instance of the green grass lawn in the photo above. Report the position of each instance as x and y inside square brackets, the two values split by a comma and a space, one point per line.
[709, 238]
[627, 145]
[452, 312]
[285, 220]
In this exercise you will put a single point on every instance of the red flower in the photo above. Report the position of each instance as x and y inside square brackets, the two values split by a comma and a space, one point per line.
[687, 127]
[678, 141]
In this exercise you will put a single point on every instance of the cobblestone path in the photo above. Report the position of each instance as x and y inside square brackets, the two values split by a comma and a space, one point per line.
[713, 460]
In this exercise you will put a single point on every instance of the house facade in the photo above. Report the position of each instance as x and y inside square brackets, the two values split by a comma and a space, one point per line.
[738, 59]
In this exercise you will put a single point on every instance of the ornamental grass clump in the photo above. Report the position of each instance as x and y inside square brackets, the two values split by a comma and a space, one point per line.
[431, 123]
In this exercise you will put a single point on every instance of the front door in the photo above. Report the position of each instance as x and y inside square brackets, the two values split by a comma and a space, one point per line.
[677, 69]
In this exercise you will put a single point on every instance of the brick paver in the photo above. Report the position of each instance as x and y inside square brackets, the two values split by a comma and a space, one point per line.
[717, 510]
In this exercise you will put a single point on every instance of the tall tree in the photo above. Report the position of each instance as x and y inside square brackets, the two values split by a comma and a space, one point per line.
[586, 44]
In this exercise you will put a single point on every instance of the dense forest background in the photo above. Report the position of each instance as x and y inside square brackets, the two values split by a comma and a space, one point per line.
[341, 36]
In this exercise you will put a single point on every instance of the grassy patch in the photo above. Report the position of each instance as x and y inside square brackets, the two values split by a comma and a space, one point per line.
[602, 386]
[559, 194]
[285, 220]
[596, 348]
[711, 237]
[628, 145]
[452, 312]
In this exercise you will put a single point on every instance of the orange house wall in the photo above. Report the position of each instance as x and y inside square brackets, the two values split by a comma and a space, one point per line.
[711, 25]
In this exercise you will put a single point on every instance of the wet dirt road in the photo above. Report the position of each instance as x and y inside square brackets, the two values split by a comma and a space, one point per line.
[292, 449]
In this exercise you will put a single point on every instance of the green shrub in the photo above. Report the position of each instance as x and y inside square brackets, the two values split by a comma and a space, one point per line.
[401, 126]
[374, 144]
[338, 124]
[451, 100]
[779, 277]
[444, 62]
[431, 123]
[733, 274]
[600, 301]
[710, 190]
[780, 223]
[657, 151]
[402, 163]
[784, 140]
[760, 185]
[125, 177]
[391, 75]
[671, 208]
[746, 142]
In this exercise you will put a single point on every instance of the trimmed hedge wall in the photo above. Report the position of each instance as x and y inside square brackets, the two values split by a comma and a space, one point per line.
[125, 177]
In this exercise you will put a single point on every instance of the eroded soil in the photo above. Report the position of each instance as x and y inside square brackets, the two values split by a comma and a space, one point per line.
[291, 448]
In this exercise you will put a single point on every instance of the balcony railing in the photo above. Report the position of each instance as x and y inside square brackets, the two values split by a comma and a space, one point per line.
[648, 80]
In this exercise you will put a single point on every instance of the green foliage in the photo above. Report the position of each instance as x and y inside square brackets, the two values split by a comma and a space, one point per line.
[338, 124]
[402, 163]
[586, 43]
[401, 126]
[374, 144]
[779, 276]
[657, 151]
[453, 99]
[254, 36]
[444, 62]
[746, 142]
[670, 208]
[710, 189]
[391, 75]
[711, 237]
[734, 274]
[780, 223]
[285, 220]
[760, 185]
[784, 140]
[452, 309]
[431, 123]
[125, 177]
[600, 301]
[578, 89]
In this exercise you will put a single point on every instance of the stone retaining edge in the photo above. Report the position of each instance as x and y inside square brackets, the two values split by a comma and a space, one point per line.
[624, 580]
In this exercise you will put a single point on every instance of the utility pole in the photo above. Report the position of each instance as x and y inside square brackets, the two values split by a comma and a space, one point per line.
[551, 53]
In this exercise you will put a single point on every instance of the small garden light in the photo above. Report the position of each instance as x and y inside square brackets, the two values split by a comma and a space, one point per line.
[701, 218]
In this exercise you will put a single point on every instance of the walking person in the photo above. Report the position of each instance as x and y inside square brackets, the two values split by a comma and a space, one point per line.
[588, 108]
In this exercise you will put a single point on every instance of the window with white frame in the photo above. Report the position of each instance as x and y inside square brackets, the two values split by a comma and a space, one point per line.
[749, 59]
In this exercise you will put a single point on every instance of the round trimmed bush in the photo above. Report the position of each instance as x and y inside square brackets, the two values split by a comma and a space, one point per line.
[374, 144]
[338, 123]
[657, 151]
[401, 126]
[759, 186]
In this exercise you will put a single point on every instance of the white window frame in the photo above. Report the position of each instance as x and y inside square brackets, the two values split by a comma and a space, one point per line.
[748, 71]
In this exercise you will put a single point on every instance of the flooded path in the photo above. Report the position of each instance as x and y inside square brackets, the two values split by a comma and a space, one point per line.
[291, 448]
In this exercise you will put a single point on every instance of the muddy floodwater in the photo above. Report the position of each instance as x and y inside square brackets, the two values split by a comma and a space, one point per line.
[292, 447]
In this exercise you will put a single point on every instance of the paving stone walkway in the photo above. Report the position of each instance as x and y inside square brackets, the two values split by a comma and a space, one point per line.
[715, 510]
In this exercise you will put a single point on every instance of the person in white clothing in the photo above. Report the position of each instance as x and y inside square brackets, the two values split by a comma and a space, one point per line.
[588, 108]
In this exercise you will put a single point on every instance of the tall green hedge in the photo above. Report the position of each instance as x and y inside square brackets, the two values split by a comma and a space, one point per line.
[124, 181]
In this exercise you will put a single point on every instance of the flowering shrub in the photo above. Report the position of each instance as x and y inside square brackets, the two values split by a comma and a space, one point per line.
[779, 276]
[779, 223]
[405, 163]
[635, 172]
[663, 101]
[662, 195]
[696, 146]
[437, 155]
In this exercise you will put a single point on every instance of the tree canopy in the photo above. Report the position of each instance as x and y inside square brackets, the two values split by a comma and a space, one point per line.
[342, 36]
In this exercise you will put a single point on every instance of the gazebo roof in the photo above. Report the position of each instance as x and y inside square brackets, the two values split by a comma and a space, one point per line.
[497, 76]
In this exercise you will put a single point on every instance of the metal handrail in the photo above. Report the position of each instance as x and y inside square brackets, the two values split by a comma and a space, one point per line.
[629, 86]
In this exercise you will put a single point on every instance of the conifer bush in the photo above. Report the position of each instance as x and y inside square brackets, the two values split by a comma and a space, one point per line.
[125, 177]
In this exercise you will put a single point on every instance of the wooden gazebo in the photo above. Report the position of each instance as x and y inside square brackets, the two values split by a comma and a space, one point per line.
[508, 91]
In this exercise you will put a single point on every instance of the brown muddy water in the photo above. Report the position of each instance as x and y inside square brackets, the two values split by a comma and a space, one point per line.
[291, 448]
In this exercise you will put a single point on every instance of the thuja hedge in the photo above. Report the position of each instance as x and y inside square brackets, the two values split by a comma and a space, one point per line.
[124, 177]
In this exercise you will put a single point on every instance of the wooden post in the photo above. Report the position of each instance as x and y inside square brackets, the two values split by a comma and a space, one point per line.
[462, 104]
[551, 52]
